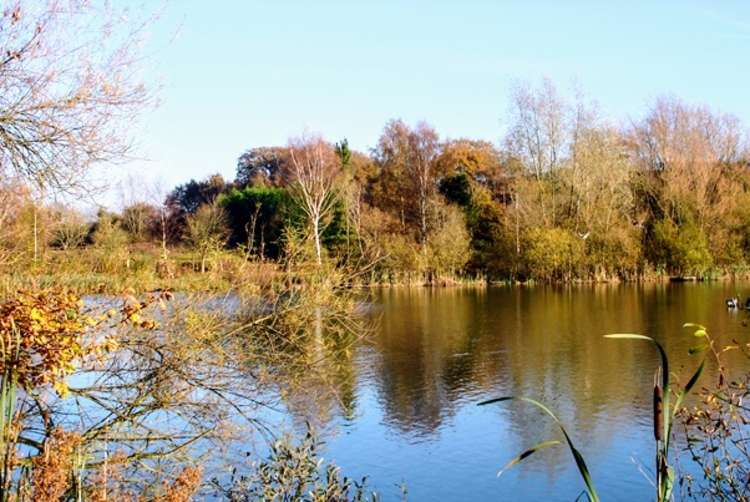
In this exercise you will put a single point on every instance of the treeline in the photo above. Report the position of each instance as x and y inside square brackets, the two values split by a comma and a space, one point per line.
[566, 195]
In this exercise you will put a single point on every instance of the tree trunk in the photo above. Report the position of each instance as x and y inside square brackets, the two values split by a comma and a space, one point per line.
[316, 236]
[36, 236]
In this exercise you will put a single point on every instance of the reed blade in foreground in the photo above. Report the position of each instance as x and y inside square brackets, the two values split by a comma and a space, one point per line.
[580, 463]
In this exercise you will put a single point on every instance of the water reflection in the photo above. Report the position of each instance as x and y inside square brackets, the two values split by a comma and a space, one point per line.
[410, 394]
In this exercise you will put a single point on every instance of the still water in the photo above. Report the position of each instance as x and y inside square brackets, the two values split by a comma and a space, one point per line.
[412, 390]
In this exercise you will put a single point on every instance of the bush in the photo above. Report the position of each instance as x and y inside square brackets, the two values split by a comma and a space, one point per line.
[294, 472]
[111, 243]
[70, 231]
[681, 249]
[207, 231]
[448, 246]
[553, 254]
[614, 254]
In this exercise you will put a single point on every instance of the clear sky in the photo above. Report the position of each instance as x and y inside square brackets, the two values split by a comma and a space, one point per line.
[238, 74]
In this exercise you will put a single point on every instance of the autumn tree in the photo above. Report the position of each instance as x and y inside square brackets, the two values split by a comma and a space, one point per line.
[480, 160]
[601, 206]
[140, 220]
[14, 197]
[69, 229]
[408, 173]
[110, 242]
[689, 161]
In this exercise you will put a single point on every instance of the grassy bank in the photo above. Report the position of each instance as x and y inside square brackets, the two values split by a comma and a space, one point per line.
[145, 268]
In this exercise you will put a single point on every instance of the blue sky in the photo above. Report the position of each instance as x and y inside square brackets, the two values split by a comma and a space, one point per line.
[237, 74]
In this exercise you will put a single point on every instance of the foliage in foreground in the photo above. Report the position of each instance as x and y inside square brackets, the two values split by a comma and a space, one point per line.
[295, 472]
[716, 433]
[716, 428]
[583, 470]
[141, 390]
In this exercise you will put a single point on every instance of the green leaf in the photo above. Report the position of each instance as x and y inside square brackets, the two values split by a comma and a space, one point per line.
[580, 462]
[668, 483]
[688, 387]
[697, 348]
[664, 373]
[527, 453]
[700, 332]
[694, 325]
[659, 348]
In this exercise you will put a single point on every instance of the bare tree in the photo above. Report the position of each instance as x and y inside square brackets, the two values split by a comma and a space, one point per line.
[689, 151]
[424, 149]
[69, 228]
[68, 89]
[157, 194]
[539, 137]
[313, 173]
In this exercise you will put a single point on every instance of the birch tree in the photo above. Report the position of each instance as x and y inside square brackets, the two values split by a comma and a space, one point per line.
[313, 172]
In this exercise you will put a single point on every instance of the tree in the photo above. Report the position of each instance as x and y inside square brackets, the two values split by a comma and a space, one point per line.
[690, 180]
[313, 172]
[188, 197]
[207, 231]
[262, 166]
[478, 160]
[601, 208]
[553, 254]
[448, 245]
[140, 220]
[69, 229]
[685, 154]
[68, 90]
[682, 249]
[257, 217]
[359, 171]
[408, 173]
[111, 242]
[538, 137]
[184, 200]
[14, 197]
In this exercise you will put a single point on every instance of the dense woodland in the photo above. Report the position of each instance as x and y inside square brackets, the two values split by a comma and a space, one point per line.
[564, 196]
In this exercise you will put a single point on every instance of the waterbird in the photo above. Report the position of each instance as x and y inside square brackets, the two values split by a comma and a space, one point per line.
[733, 303]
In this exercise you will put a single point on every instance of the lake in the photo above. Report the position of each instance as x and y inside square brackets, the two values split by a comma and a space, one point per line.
[412, 389]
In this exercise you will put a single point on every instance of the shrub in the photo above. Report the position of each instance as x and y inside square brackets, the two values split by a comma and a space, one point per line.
[682, 249]
[448, 245]
[294, 472]
[553, 253]
[111, 242]
[207, 231]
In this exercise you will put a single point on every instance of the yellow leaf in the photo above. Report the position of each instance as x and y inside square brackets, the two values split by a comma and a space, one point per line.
[61, 388]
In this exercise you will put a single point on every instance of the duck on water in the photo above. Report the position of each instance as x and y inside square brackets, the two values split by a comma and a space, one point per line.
[734, 303]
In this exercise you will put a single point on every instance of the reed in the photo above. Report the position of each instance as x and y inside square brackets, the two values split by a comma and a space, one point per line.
[583, 470]
[663, 414]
